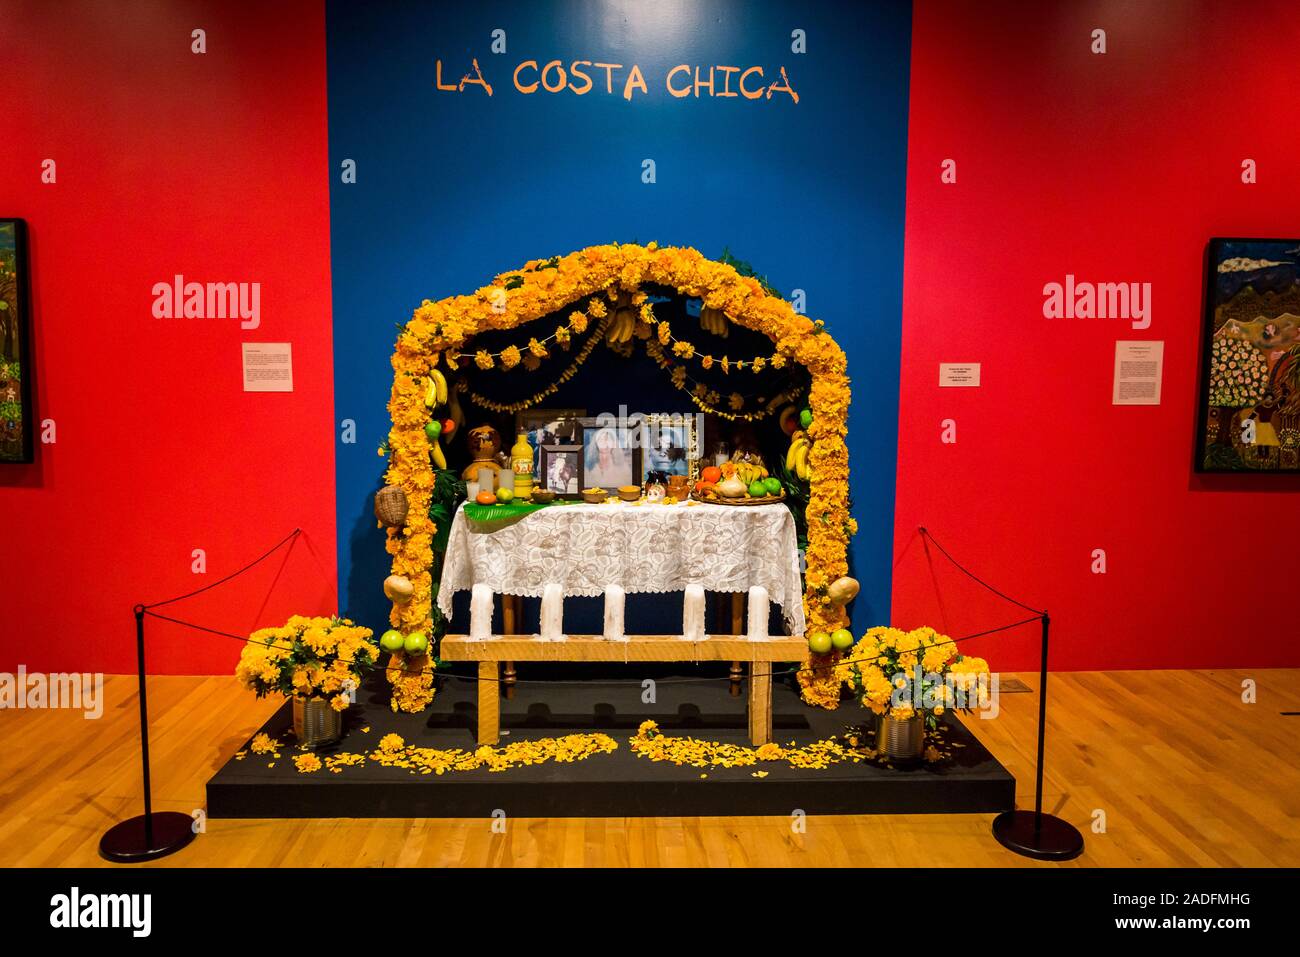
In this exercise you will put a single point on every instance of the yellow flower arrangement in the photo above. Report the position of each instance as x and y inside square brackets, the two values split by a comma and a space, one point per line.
[308, 658]
[544, 287]
[882, 668]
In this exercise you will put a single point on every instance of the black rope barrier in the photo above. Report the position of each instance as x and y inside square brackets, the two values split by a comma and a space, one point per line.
[375, 665]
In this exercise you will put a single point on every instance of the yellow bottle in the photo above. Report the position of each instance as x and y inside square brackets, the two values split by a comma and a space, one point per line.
[521, 461]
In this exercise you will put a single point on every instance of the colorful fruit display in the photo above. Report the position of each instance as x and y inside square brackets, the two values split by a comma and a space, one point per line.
[743, 478]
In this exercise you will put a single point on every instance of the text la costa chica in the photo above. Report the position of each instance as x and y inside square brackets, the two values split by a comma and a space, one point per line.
[581, 77]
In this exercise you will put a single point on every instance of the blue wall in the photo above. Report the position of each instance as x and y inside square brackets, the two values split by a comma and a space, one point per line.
[453, 188]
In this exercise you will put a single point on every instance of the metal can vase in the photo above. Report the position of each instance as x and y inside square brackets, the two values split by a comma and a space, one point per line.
[900, 739]
[315, 723]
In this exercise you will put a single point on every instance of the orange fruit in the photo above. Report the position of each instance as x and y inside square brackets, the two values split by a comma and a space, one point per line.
[486, 498]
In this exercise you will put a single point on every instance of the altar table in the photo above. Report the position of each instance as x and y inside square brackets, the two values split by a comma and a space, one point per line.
[642, 548]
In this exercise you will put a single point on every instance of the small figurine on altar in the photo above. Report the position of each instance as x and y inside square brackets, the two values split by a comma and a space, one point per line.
[484, 445]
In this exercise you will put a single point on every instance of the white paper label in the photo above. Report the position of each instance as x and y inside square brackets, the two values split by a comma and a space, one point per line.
[962, 374]
[268, 366]
[1138, 370]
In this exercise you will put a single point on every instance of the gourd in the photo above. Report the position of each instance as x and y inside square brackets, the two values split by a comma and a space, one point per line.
[842, 590]
[732, 487]
[398, 589]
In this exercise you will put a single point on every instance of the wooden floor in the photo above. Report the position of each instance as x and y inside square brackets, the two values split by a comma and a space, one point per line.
[1184, 773]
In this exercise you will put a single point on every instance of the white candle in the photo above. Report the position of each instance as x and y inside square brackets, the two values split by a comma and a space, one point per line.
[486, 482]
[758, 614]
[552, 623]
[693, 613]
[615, 603]
[480, 612]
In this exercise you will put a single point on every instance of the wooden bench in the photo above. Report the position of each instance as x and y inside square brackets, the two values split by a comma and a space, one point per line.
[638, 648]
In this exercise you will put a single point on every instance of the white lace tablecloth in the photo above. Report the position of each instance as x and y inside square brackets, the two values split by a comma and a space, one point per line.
[643, 548]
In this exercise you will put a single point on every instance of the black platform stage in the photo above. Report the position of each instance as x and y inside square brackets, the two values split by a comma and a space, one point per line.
[605, 785]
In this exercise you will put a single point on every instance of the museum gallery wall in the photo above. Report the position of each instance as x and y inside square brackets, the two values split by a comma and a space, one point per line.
[163, 474]
[1052, 165]
[1110, 168]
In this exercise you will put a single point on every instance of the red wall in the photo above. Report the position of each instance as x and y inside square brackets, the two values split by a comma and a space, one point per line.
[213, 166]
[1114, 167]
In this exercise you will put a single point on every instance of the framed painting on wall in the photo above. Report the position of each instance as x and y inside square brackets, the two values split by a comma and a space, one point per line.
[1249, 403]
[15, 345]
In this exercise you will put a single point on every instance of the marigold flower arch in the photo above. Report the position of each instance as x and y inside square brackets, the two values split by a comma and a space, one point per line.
[519, 297]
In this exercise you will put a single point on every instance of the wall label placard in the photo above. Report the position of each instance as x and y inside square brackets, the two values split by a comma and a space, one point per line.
[268, 366]
[959, 374]
[1138, 370]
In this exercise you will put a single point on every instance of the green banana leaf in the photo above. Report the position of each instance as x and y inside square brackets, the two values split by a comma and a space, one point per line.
[502, 511]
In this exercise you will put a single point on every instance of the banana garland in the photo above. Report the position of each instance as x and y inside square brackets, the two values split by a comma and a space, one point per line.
[437, 392]
[622, 327]
[714, 321]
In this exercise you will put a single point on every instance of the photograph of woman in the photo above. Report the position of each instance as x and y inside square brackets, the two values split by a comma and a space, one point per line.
[607, 458]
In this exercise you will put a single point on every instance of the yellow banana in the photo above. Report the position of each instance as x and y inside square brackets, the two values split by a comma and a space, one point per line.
[801, 467]
[439, 460]
[430, 392]
[440, 381]
[797, 441]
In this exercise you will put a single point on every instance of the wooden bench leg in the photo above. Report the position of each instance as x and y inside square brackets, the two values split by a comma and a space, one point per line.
[489, 703]
[760, 702]
[737, 623]
[511, 612]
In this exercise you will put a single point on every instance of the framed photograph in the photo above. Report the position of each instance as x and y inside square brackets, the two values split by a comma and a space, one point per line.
[1249, 403]
[549, 427]
[560, 470]
[610, 453]
[670, 445]
[16, 412]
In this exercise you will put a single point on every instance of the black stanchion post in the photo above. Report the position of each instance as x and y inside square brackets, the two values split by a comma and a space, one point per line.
[1038, 835]
[148, 836]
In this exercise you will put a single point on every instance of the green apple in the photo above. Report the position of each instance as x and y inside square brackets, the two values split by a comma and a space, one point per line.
[757, 489]
[772, 484]
[841, 639]
[505, 495]
[819, 643]
[433, 430]
[805, 418]
[416, 643]
[391, 640]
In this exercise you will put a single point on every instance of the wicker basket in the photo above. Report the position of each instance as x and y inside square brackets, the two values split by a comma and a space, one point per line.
[391, 506]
